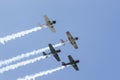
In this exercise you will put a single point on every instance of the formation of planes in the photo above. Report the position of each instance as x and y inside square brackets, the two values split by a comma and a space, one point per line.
[54, 52]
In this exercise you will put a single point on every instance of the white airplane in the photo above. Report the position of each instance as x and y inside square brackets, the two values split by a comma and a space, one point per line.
[49, 24]
[71, 39]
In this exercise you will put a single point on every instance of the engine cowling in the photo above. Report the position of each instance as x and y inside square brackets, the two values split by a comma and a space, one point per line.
[76, 38]
[53, 22]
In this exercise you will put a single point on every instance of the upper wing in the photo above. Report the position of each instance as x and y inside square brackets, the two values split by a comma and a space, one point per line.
[57, 57]
[51, 48]
[70, 59]
[69, 35]
[46, 19]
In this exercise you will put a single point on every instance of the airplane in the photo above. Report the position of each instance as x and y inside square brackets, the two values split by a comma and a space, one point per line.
[72, 62]
[53, 52]
[49, 24]
[71, 40]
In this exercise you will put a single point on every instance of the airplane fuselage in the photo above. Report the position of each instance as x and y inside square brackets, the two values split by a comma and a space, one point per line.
[72, 63]
[50, 24]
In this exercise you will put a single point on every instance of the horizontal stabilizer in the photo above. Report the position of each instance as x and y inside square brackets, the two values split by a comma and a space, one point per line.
[44, 54]
[62, 41]
[39, 25]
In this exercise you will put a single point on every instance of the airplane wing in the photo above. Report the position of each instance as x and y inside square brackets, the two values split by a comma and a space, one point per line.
[51, 27]
[57, 57]
[70, 59]
[75, 45]
[69, 35]
[49, 24]
[46, 19]
[51, 48]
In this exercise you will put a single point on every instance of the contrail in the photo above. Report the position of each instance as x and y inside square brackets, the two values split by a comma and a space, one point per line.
[19, 34]
[40, 74]
[25, 55]
[23, 63]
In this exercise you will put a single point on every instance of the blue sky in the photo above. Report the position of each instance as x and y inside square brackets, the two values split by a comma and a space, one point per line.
[95, 22]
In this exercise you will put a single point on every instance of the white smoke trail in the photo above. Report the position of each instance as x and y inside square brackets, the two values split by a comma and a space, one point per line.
[19, 57]
[23, 63]
[40, 74]
[19, 34]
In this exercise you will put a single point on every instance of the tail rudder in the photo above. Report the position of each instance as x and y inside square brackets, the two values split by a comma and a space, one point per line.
[63, 63]
[62, 41]
[44, 54]
[39, 25]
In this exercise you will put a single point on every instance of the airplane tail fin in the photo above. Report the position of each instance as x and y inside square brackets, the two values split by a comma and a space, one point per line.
[39, 25]
[62, 41]
[44, 54]
[63, 64]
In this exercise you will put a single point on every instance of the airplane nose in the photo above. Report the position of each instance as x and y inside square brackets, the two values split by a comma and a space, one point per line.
[76, 38]
[78, 61]
[58, 51]
[54, 22]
